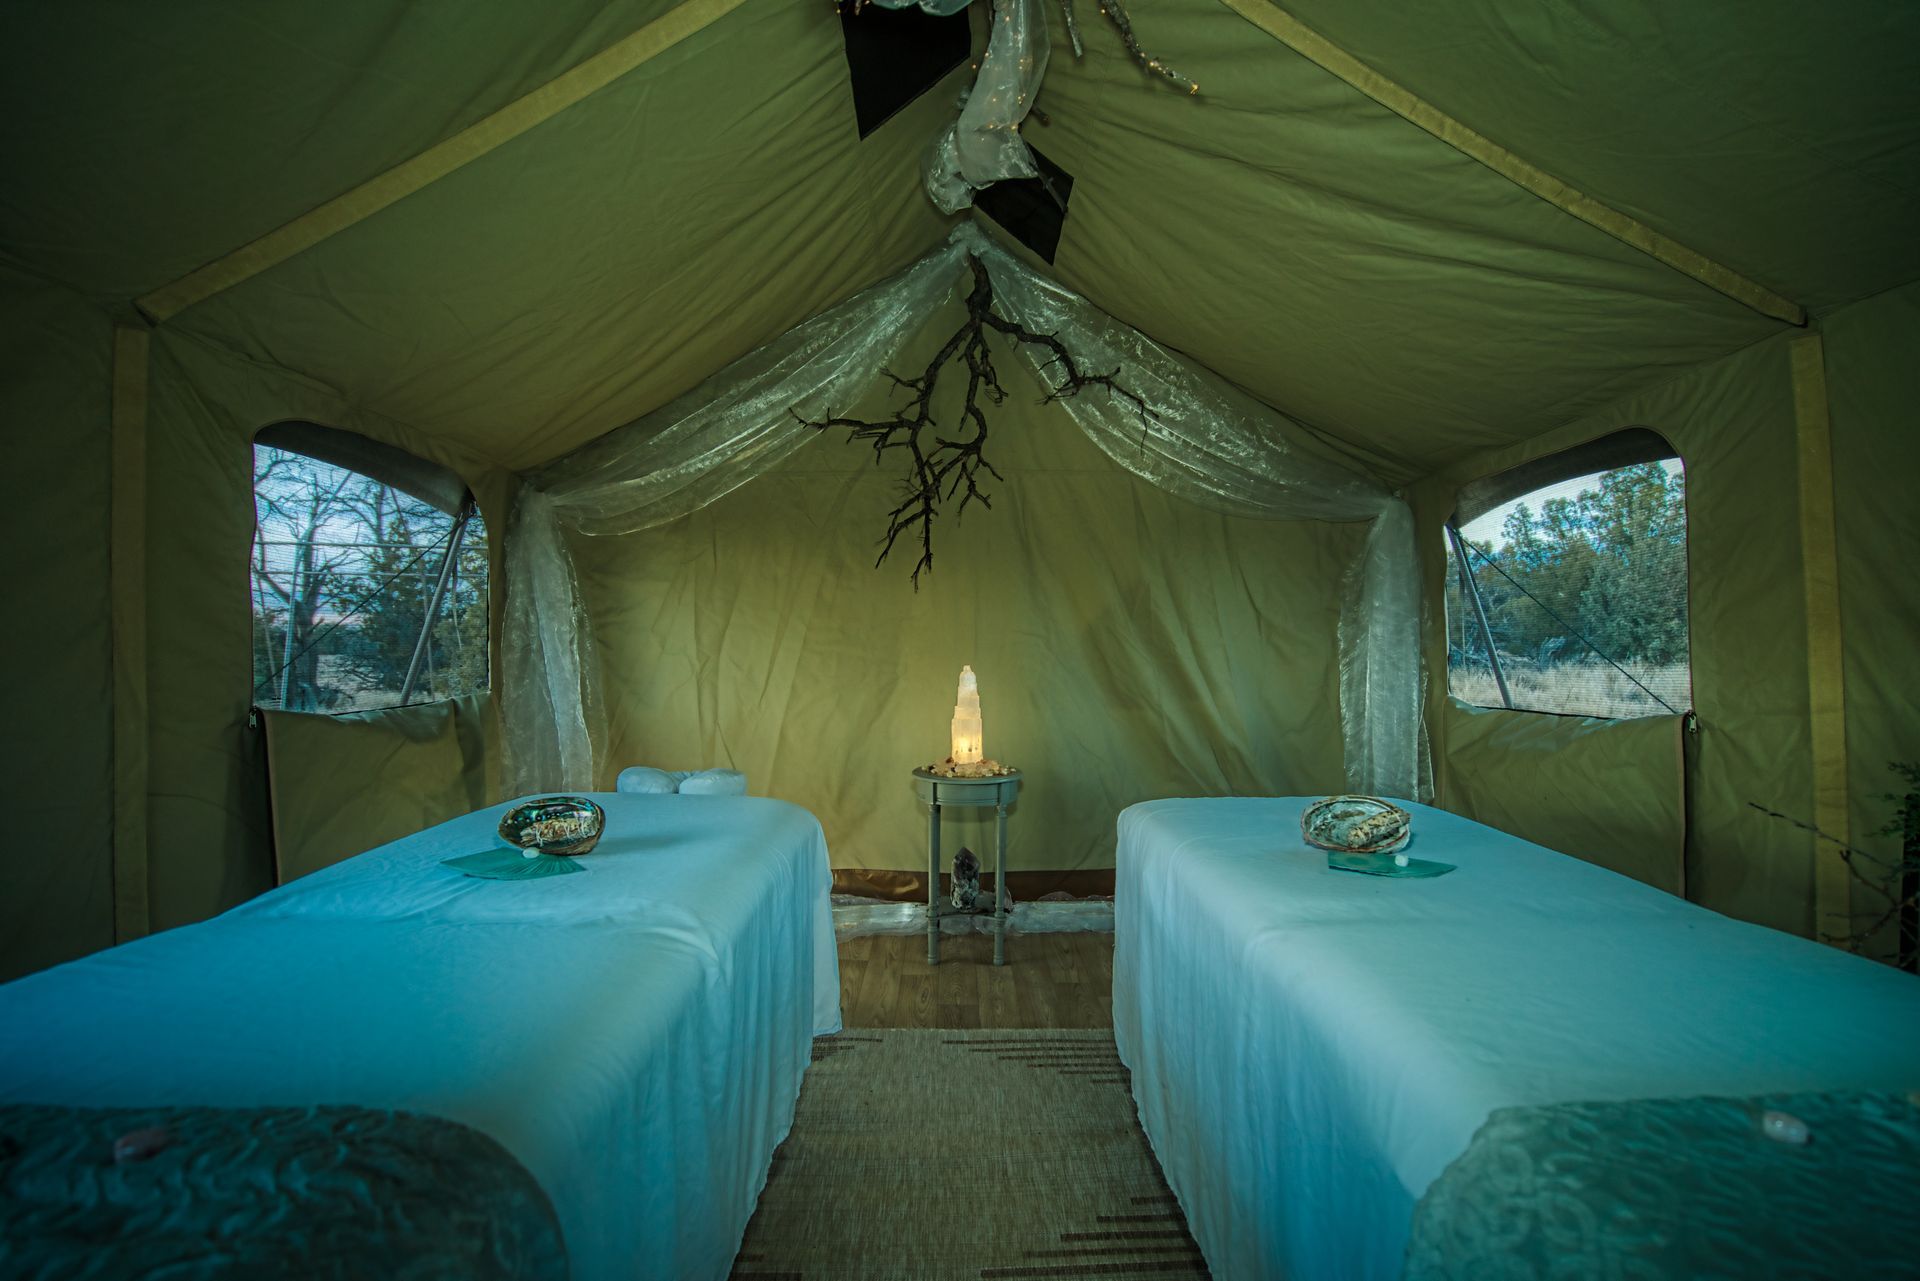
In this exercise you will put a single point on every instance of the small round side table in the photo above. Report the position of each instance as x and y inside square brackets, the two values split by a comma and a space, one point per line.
[998, 791]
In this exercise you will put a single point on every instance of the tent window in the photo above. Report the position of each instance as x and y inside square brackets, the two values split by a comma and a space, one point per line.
[1033, 209]
[368, 582]
[1573, 593]
[895, 55]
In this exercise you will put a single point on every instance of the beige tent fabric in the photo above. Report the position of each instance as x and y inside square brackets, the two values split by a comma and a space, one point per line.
[1777, 138]
[1193, 437]
[1397, 98]
[1129, 644]
[156, 139]
[1873, 386]
[1425, 315]
[1345, 265]
[127, 589]
[57, 781]
[1610, 792]
[417, 172]
[207, 814]
[1733, 424]
[611, 257]
[430, 762]
[1350, 268]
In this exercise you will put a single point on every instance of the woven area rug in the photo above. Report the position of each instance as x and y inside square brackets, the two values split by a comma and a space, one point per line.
[927, 1154]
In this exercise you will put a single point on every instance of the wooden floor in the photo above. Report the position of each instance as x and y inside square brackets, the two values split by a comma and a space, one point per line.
[1050, 980]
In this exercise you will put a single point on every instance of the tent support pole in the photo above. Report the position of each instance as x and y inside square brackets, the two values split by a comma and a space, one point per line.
[1826, 660]
[433, 606]
[1471, 590]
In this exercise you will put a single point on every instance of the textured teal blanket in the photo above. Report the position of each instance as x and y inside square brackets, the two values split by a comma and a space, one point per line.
[1794, 1185]
[201, 1193]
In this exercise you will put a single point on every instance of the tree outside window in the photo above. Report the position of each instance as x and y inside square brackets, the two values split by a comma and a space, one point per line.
[1583, 585]
[344, 572]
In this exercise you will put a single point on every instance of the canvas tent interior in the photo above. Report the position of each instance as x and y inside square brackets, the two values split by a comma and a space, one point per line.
[490, 236]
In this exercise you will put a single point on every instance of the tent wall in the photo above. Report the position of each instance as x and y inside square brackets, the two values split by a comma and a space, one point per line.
[1343, 264]
[1873, 377]
[1129, 644]
[1776, 138]
[562, 282]
[580, 274]
[343, 784]
[56, 355]
[1735, 425]
[1611, 792]
[1425, 313]
[207, 813]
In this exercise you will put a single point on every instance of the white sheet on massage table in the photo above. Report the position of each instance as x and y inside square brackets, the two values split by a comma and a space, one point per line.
[635, 1034]
[1311, 1048]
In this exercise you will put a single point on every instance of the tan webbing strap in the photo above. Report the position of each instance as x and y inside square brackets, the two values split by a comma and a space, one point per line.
[471, 143]
[1316, 48]
[1826, 684]
[127, 559]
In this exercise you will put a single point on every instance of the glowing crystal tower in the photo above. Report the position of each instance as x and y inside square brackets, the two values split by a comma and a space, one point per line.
[967, 734]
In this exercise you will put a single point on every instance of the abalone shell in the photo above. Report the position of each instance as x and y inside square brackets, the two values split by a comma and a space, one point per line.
[554, 825]
[1356, 825]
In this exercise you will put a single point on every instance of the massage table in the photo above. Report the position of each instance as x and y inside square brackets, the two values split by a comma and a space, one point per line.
[632, 1037]
[1312, 1050]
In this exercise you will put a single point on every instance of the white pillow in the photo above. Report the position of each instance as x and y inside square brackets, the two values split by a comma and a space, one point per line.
[642, 779]
[714, 782]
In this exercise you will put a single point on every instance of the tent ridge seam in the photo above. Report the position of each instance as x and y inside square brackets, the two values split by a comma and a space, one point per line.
[450, 154]
[1403, 102]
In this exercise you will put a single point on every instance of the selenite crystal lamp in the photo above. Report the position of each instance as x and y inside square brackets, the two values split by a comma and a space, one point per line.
[969, 759]
[967, 731]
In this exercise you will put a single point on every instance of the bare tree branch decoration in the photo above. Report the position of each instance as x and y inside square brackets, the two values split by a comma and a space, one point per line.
[945, 467]
[1073, 27]
[1894, 882]
[1115, 12]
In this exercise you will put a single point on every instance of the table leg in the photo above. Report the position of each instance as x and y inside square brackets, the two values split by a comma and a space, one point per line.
[1000, 885]
[933, 883]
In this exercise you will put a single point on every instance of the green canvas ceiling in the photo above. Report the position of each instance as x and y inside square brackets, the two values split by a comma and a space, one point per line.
[1281, 228]
[1779, 138]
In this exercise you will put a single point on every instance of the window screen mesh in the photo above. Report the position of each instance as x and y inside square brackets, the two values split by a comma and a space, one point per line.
[1584, 589]
[343, 571]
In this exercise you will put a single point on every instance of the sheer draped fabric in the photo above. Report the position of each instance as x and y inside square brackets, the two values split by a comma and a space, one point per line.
[1198, 440]
[983, 146]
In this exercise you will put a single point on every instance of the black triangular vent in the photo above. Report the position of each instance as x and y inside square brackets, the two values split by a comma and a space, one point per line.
[895, 55]
[1033, 209]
